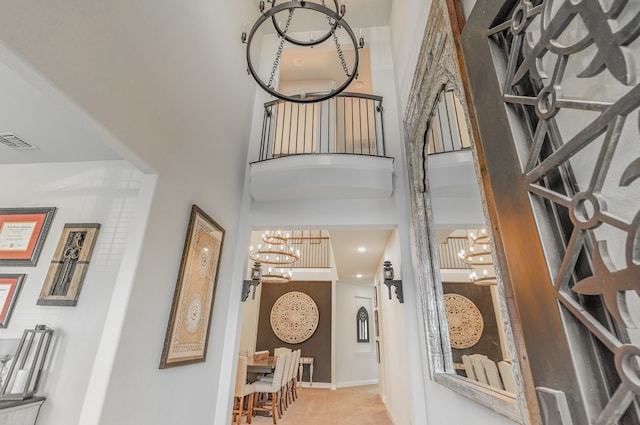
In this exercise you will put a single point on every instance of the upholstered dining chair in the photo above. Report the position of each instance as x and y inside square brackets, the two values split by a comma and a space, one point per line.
[270, 389]
[468, 367]
[509, 380]
[283, 382]
[241, 392]
[491, 369]
[281, 350]
[286, 380]
[478, 367]
[293, 376]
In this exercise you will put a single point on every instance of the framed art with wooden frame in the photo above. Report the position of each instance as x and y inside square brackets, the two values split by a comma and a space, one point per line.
[188, 329]
[22, 234]
[69, 264]
[10, 285]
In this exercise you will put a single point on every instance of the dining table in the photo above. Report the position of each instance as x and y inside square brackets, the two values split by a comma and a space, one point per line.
[260, 367]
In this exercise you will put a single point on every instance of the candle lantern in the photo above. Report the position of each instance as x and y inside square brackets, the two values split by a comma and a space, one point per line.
[26, 367]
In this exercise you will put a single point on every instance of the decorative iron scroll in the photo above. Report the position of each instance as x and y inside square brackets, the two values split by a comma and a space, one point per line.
[569, 71]
[294, 317]
[465, 321]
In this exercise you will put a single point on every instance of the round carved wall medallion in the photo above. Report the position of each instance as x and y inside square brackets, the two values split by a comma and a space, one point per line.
[465, 321]
[294, 317]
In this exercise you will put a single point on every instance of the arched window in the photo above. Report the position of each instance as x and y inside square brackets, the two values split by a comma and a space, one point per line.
[363, 325]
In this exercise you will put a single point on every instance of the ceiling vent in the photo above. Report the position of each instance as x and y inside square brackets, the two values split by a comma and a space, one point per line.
[12, 141]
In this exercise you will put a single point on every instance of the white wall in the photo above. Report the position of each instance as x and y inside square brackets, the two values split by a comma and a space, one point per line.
[394, 352]
[89, 192]
[356, 362]
[163, 85]
[408, 22]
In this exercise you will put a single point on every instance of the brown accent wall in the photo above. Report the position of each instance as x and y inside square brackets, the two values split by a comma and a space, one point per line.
[489, 343]
[319, 345]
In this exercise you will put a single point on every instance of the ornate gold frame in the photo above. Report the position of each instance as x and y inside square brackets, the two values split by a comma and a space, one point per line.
[187, 334]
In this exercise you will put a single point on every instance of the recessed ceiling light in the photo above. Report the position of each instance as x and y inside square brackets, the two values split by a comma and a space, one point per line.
[362, 249]
[358, 276]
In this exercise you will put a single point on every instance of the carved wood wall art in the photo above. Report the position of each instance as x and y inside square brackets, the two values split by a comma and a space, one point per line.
[294, 317]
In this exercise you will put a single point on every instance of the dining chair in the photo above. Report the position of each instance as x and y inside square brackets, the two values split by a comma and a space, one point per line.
[293, 378]
[271, 390]
[491, 370]
[478, 367]
[509, 380]
[243, 390]
[283, 382]
[277, 352]
[286, 381]
[468, 367]
[281, 350]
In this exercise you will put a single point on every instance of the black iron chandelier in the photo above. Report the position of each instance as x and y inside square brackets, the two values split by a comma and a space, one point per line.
[285, 12]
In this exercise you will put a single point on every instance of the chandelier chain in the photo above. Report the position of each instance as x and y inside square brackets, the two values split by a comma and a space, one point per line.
[276, 62]
[339, 50]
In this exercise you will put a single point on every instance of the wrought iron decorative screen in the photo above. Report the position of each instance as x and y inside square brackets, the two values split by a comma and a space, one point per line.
[555, 86]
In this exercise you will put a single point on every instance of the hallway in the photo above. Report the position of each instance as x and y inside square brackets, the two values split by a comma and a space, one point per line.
[345, 406]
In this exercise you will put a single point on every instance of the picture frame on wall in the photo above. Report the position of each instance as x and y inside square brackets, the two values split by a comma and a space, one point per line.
[376, 323]
[22, 234]
[187, 332]
[10, 285]
[69, 264]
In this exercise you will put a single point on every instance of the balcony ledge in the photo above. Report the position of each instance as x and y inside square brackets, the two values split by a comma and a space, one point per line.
[322, 176]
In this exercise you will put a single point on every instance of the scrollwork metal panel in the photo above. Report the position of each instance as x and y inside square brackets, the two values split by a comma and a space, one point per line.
[555, 85]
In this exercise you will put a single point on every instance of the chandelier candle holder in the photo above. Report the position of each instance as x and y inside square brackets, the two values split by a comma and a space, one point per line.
[285, 18]
[275, 254]
[480, 258]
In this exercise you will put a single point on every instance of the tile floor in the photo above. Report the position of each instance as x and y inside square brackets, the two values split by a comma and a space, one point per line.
[345, 406]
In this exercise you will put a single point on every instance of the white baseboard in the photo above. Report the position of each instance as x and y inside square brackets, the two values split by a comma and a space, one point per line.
[357, 383]
[384, 401]
[324, 385]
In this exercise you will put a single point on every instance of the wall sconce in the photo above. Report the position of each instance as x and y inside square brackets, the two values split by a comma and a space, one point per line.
[388, 280]
[256, 276]
[25, 372]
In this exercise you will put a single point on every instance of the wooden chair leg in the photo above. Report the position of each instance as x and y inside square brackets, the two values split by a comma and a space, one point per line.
[250, 408]
[235, 410]
[274, 401]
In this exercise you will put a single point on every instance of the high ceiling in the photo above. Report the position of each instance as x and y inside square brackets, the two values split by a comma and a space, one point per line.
[31, 116]
[54, 129]
[360, 14]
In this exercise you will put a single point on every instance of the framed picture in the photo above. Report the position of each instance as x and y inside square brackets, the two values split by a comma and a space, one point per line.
[375, 322]
[10, 285]
[22, 234]
[188, 329]
[69, 264]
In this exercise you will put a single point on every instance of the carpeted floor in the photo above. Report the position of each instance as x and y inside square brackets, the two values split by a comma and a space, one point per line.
[345, 406]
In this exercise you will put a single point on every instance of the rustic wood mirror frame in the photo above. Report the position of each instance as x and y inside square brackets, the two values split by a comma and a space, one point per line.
[439, 66]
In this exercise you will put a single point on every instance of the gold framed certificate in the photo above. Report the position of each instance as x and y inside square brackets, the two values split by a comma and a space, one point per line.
[10, 285]
[22, 234]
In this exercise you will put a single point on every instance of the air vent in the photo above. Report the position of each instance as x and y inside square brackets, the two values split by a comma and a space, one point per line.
[12, 141]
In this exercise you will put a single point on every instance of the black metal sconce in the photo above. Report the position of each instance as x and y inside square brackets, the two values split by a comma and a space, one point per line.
[256, 277]
[388, 280]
